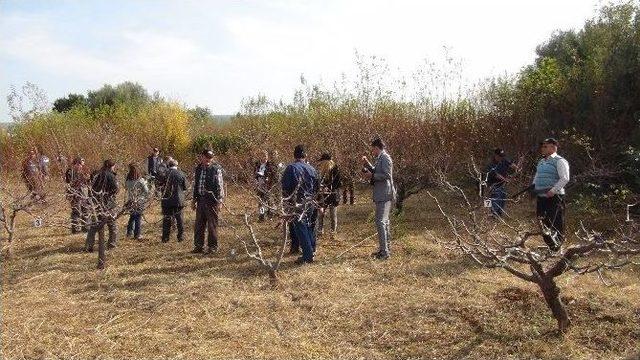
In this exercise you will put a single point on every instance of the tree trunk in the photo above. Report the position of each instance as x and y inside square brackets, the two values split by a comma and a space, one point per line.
[9, 244]
[551, 294]
[10, 234]
[273, 277]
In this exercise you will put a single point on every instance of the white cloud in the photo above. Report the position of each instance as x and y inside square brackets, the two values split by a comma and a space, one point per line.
[264, 47]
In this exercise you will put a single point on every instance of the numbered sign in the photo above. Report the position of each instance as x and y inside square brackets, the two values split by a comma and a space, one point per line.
[629, 219]
[37, 222]
[487, 203]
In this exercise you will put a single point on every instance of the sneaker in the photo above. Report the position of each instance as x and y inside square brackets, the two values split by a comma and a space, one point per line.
[197, 251]
[375, 254]
[164, 240]
[111, 246]
[180, 239]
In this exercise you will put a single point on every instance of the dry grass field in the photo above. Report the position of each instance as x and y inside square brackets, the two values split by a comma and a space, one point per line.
[159, 301]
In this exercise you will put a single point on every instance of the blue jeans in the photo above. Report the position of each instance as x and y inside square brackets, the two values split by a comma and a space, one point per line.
[133, 227]
[498, 196]
[295, 244]
[304, 234]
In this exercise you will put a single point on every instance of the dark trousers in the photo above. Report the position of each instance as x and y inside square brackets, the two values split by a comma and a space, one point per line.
[551, 212]
[348, 188]
[134, 224]
[170, 214]
[206, 220]
[305, 235]
[98, 227]
[295, 243]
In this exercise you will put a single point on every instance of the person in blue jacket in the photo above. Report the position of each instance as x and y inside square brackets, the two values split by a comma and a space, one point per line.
[299, 189]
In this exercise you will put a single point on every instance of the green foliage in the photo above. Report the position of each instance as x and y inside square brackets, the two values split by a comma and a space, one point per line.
[590, 198]
[221, 144]
[200, 120]
[584, 84]
[67, 103]
[124, 93]
[123, 131]
[631, 168]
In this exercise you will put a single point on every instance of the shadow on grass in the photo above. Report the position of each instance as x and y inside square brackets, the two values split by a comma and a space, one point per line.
[34, 252]
[448, 268]
[221, 267]
[482, 334]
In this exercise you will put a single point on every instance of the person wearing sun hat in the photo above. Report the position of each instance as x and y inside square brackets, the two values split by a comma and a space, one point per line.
[208, 195]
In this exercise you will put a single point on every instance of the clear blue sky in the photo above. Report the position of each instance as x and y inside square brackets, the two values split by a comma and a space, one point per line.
[215, 53]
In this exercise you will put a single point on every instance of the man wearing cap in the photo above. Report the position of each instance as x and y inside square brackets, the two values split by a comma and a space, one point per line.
[380, 175]
[208, 195]
[172, 203]
[552, 175]
[299, 189]
[497, 178]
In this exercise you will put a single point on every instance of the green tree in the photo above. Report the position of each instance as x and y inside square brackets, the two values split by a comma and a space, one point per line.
[65, 104]
[127, 92]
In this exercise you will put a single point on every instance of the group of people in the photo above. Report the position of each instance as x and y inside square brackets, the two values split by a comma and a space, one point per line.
[308, 195]
[35, 170]
[548, 186]
[94, 207]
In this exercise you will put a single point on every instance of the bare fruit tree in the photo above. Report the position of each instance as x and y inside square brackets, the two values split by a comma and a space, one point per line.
[511, 244]
[283, 210]
[49, 205]
[10, 208]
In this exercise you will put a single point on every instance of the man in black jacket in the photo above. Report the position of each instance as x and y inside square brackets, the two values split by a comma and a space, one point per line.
[208, 194]
[103, 203]
[173, 200]
[152, 163]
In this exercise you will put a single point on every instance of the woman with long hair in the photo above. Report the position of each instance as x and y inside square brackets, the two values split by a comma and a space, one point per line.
[137, 194]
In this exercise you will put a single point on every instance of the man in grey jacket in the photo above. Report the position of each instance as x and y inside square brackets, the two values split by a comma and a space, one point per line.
[380, 175]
